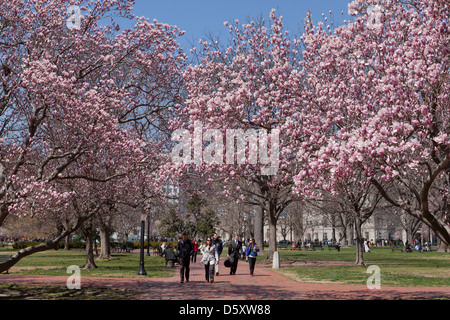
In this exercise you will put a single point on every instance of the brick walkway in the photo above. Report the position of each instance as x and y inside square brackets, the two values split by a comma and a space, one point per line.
[264, 285]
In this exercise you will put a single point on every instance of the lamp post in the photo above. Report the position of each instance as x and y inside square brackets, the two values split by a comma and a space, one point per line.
[141, 271]
[148, 234]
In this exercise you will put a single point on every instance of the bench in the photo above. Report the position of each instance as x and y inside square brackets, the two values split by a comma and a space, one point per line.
[431, 248]
[4, 258]
[169, 256]
[397, 248]
[157, 251]
[123, 249]
[336, 247]
[174, 261]
[314, 247]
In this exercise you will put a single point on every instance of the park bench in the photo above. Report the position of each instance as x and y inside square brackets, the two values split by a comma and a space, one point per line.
[435, 248]
[170, 256]
[4, 258]
[157, 251]
[125, 248]
[173, 261]
[397, 248]
[336, 247]
[316, 247]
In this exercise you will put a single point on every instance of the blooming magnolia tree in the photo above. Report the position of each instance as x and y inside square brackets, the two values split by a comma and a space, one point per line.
[246, 86]
[77, 100]
[377, 95]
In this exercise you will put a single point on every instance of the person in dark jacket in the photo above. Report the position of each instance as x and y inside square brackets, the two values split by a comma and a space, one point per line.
[184, 252]
[234, 253]
[219, 247]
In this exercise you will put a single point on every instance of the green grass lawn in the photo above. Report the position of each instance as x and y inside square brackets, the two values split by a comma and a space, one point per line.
[396, 268]
[121, 265]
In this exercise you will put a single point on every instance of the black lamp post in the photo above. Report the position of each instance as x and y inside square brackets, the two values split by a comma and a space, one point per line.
[148, 235]
[141, 271]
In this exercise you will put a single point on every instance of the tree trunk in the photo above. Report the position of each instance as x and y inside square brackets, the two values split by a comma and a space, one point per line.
[259, 228]
[105, 244]
[333, 234]
[67, 237]
[67, 242]
[273, 219]
[88, 233]
[359, 242]
[409, 236]
[352, 233]
[272, 236]
[443, 247]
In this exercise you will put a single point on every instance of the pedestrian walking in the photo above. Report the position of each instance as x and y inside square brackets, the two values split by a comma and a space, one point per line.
[250, 255]
[219, 247]
[194, 254]
[209, 257]
[234, 253]
[184, 252]
[366, 246]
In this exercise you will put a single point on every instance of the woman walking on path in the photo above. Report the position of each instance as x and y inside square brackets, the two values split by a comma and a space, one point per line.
[250, 254]
[210, 256]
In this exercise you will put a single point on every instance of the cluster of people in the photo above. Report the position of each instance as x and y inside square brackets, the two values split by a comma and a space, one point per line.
[416, 246]
[211, 250]
[9, 240]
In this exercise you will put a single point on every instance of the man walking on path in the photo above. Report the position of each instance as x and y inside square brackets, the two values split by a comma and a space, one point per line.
[234, 253]
[184, 252]
[219, 247]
